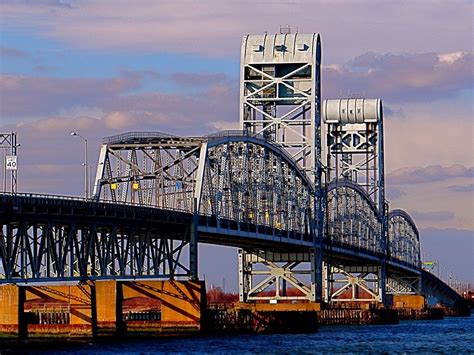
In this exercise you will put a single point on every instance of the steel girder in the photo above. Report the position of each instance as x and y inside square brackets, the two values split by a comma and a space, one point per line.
[280, 98]
[355, 145]
[353, 222]
[280, 94]
[403, 284]
[234, 182]
[403, 247]
[355, 155]
[432, 286]
[252, 182]
[352, 218]
[404, 239]
[9, 145]
[44, 238]
[231, 175]
[352, 283]
[265, 276]
[151, 169]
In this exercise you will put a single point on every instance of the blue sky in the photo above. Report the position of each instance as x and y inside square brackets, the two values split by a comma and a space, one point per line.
[103, 67]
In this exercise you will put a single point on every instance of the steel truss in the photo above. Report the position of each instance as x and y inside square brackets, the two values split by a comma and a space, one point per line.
[253, 183]
[352, 218]
[345, 283]
[280, 93]
[355, 153]
[280, 98]
[230, 180]
[51, 240]
[9, 145]
[280, 270]
[403, 284]
[230, 176]
[404, 239]
[152, 169]
[355, 145]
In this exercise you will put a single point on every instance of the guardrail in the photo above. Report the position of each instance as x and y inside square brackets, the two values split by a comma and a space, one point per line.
[120, 138]
[87, 200]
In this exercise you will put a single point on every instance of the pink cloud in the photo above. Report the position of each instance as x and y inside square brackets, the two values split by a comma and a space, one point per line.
[23, 95]
[215, 28]
[199, 79]
[429, 174]
[11, 53]
[401, 77]
[432, 215]
[461, 188]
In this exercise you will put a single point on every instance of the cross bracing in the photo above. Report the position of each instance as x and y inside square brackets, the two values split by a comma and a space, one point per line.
[404, 239]
[244, 190]
[262, 189]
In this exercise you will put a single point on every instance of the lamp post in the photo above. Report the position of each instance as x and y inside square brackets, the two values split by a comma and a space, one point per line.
[85, 164]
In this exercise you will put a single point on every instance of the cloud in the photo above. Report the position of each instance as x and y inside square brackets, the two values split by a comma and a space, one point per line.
[461, 188]
[432, 215]
[43, 170]
[38, 3]
[25, 95]
[402, 77]
[199, 79]
[123, 99]
[215, 28]
[393, 193]
[429, 174]
[11, 53]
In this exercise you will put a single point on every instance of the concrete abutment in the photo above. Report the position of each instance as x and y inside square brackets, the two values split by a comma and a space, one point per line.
[101, 308]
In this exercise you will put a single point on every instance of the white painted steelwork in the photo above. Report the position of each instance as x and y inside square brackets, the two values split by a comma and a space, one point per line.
[280, 84]
[344, 111]
[280, 98]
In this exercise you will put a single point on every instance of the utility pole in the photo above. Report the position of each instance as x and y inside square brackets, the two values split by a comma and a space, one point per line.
[85, 164]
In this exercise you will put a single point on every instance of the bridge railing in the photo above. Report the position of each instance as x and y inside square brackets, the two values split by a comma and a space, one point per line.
[123, 137]
[83, 199]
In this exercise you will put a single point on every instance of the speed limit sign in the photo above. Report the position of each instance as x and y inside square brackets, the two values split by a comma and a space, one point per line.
[11, 162]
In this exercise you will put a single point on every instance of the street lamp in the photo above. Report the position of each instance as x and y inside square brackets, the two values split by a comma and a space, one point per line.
[86, 165]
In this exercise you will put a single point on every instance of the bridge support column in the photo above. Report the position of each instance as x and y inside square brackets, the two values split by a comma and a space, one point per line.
[403, 285]
[193, 249]
[382, 275]
[325, 281]
[348, 283]
[262, 276]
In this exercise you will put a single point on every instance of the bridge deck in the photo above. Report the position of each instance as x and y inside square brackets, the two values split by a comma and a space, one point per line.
[33, 208]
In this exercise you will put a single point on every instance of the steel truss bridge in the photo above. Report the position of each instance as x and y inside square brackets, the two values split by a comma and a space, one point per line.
[303, 201]
[231, 189]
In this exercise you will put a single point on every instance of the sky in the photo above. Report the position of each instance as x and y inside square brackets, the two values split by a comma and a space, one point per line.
[104, 67]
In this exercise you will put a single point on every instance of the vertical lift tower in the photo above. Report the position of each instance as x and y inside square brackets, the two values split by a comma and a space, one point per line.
[280, 99]
[355, 155]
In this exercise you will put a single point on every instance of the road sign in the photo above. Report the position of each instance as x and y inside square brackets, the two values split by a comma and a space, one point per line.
[429, 264]
[11, 162]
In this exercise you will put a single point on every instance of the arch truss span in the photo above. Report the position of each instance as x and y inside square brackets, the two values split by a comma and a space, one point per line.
[256, 187]
[404, 239]
[352, 218]
[404, 249]
[241, 188]
[353, 227]
[231, 179]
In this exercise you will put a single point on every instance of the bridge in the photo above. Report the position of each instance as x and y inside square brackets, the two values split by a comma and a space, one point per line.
[299, 189]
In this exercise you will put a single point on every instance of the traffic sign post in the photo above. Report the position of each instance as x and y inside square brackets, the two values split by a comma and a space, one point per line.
[11, 162]
[9, 166]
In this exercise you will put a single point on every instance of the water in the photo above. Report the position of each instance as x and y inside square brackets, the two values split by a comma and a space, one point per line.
[451, 335]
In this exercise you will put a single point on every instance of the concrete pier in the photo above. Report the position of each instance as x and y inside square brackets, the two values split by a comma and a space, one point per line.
[101, 308]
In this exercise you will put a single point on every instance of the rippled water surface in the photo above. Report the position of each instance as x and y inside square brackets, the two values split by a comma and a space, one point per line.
[451, 335]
